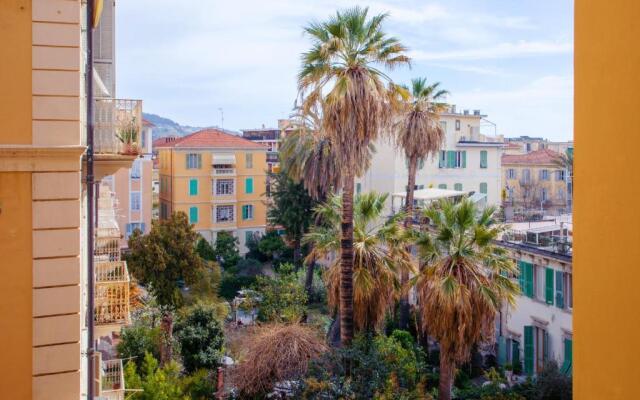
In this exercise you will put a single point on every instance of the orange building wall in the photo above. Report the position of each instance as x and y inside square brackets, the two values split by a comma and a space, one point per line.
[16, 282]
[607, 191]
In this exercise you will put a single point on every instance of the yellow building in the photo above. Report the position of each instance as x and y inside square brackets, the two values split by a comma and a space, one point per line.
[44, 227]
[218, 180]
[535, 181]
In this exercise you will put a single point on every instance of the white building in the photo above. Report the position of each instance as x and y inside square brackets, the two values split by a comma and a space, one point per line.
[540, 326]
[468, 161]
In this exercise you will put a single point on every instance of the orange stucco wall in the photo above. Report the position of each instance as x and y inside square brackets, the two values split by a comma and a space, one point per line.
[16, 283]
[607, 182]
[15, 72]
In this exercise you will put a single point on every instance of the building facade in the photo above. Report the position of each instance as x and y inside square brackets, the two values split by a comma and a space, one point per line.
[535, 181]
[539, 327]
[468, 161]
[218, 180]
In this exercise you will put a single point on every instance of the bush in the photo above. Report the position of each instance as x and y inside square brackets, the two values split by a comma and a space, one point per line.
[201, 385]
[156, 383]
[138, 340]
[201, 338]
[232, 283]
[551, 384]
[282, 299]
[249, 267]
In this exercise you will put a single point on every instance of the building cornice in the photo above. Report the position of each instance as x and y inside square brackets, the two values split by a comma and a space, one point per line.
[25, 158]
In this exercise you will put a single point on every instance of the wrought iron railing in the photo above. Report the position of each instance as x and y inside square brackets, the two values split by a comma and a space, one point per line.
[118, 126]
[112, 302]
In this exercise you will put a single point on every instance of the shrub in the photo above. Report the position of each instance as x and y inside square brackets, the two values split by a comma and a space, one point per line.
[551, 384]
[231, 283]
[136, 341]
[283, 298]
[156, 383]
[201, 338]
[201, 385]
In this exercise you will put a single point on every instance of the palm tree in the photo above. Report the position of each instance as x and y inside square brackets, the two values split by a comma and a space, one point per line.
[417, 133]
[465, 281]
[343, 73]
[380, 252]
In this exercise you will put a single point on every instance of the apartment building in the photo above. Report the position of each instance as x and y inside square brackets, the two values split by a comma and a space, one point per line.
[539, 328]
[218, 180]
[535, 181]
[44, 227]
[527, 144]
[468, 161]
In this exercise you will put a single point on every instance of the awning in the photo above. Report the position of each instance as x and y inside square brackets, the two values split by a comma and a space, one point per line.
[223, 159]
[432, 194]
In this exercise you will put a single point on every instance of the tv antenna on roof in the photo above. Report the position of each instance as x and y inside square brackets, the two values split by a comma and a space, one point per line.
[221, 117]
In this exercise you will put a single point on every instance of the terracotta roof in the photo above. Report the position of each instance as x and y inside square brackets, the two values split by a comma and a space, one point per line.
[213, 138]
[544, 156]
[161, 142]
[146, 123]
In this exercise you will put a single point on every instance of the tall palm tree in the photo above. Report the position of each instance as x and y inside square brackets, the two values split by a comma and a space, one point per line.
[380, 253]
[343, 72]
[417, 132]
[464, 282]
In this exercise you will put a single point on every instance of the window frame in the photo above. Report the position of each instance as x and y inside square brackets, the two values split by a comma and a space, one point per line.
[135, 194]
[219, 207]
[248, 212]
[222, 182]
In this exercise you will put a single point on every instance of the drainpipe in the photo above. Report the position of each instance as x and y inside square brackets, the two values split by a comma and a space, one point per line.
[90, 203]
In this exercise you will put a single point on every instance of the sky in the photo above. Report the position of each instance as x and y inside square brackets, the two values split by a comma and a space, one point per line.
[187, 59]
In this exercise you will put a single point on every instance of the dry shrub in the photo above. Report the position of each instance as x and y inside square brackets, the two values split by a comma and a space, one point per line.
[276, 353]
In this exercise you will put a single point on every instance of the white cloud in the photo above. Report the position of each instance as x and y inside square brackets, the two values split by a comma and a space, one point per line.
[501, 50]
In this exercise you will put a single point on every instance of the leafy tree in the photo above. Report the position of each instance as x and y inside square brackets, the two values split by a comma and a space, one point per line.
[231, 283]
[464, 282]
[283, 298]
[205, 288]
[419, 135]
[226, 249]
[205, 250]
[201, 385]
[157, 383]
[292, 209]
[381, 254]
[342, 73]
[201, 338]
[162, 260]
[272, 245]
[137, 340]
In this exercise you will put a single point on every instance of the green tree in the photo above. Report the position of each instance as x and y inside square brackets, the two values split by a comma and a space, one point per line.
[380, 255]
[283, 298]
[464, 282]
[271, 245]
[292, 208]
[205, 250]
[137, 340]
[226, 249]
[162, 260]
[201, 338]
[157, 383]
[419, 135]
[342, 73]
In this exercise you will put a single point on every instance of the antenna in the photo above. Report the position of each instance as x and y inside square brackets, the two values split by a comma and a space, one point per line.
[221, 117]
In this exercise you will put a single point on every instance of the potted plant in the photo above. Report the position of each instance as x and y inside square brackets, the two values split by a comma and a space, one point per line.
[128, 136]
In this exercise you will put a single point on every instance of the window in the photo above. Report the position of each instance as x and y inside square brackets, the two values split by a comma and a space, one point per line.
[452, 159]
[248, 160]
[135, 201]
[247, 212]
[544, 174]
[526, 278]
[539, 282]
[526, 175]
[536, 349]
[224, 213]
[513, 351]
[419, 165]
[560, 176]
[224, 187]
[443, 125]
[248, 185]
[457, 186]
[528, 147]
[442, 186]
[358, 188]
[442, 160]
[193, 187]
[194, 161]
[133, 226]
[543, 194]
[567, 356]
[135, 169]
[483, 159]
[250, 236]
[483, 188]
[560, 194]
[457, 124]
[511, 173]
[164, 210]
[193, 215]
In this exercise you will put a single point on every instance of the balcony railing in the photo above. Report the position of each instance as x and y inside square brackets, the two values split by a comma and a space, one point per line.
[111, 293]
[223, 171]
[107, 245]
[118, 126]
[112, 383]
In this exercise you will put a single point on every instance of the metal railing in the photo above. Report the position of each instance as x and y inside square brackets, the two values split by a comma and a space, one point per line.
[112, 302]
[223, 171]
[118, 126]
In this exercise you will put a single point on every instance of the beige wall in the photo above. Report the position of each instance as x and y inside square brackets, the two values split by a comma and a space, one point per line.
[553, 186]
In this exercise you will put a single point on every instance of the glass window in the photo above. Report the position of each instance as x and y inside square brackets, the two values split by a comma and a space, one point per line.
[247, 212]
[442, 186]
[483, 188]
[560, 175]
[135, 169]
[135, 201]
[194, 161]
[248, 160]
[457, 186]
[457, 124]
[511, 173]
[483, 159]
[224, 213]
[544, 174]
[526, 175]
[224, 187]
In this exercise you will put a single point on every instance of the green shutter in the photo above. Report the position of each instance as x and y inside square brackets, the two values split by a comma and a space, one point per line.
[457, 186]
[193, 215]
[502, 350]
[421, 163]
[483, 188]
[443, 159]
[483, 159]
[248, 185]
[515, 352]
[548, 287]
[521, 275]
[199, 161]
[559, 289]
[528, 350]
[546, 347]
[464, 159]
[442, 186]
[568, 356]
[193, 187]
[451, 159]
[528, 280]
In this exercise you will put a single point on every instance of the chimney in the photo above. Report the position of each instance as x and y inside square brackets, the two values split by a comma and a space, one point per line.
[476, 112]
[453, 109]
[466, 112]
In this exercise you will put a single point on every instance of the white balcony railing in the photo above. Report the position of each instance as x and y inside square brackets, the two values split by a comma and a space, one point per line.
[117, 126]
[223, 171]
[112, 380]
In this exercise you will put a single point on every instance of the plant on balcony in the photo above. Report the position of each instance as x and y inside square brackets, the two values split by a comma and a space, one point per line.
[128, 136]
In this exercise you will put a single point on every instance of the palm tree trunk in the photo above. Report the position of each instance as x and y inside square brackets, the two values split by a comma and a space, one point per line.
[308, 281]
[166, 345]
[446, 377]
[297, 253]
[346, 263]
[404, 274]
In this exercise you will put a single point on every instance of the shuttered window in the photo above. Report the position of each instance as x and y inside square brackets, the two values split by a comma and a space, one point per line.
[442, 161]
[526, 278]
[193, 215]
[483, 159]
[247, 212]
[549, 272]
[457, 186]
[248, 185]
[483, 188]
[568, 356]
[528, 350]
[193, 187]
[559, 289]
[442, 186]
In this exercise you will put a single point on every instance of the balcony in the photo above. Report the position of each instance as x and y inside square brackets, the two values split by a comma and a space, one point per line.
[111, 293]
[117, 130]
[112, 385]
[223, 171]
[272, 157]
